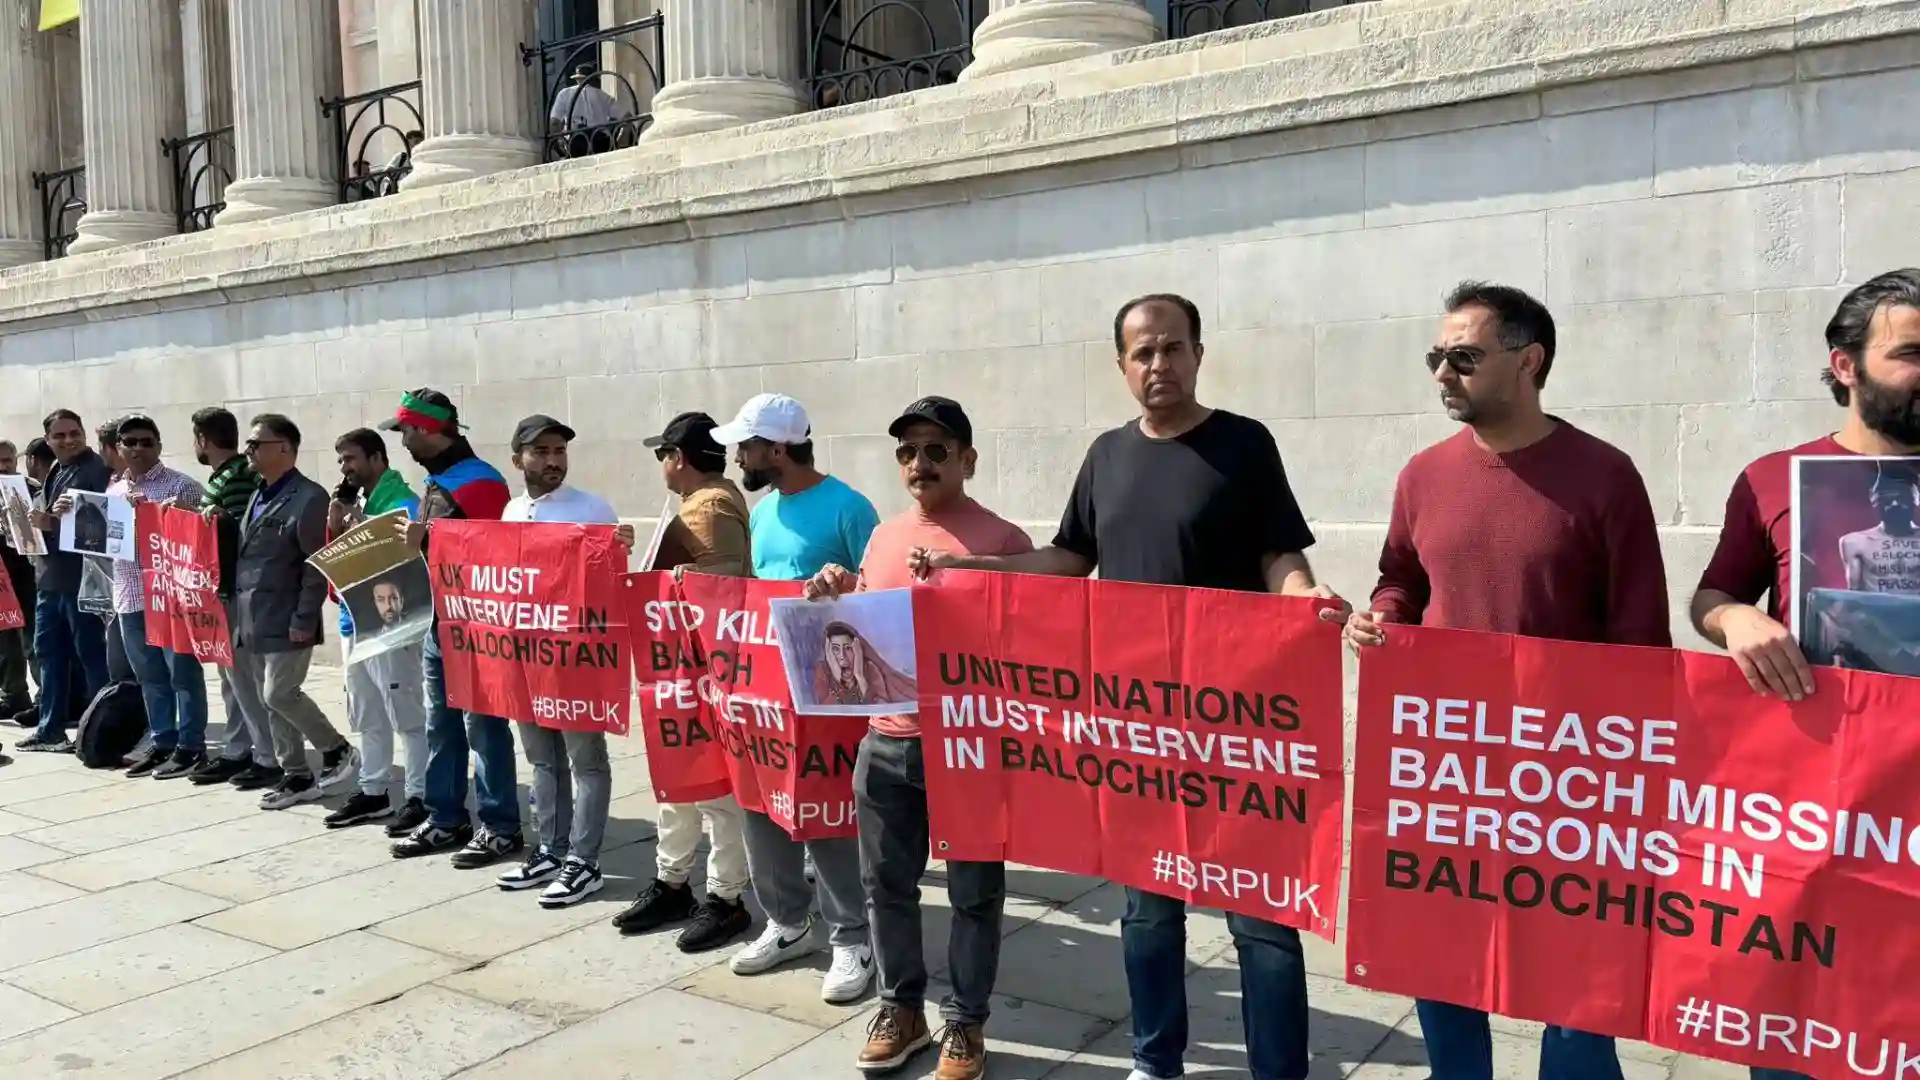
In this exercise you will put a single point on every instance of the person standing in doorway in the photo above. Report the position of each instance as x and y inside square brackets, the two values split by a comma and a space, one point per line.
[63, 635]
[1190, 496]
[806, 521]
[1574, 557]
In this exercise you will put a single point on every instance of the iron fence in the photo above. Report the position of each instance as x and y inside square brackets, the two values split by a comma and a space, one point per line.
[581, 115]
[61, 203]
[368, 125]
[859, 50]
[202, 169]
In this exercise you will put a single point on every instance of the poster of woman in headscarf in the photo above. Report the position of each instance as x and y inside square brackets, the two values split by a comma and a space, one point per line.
[852, 656]
[1856, 575]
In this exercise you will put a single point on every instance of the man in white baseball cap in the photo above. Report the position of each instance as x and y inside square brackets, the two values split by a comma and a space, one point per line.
[805, 522]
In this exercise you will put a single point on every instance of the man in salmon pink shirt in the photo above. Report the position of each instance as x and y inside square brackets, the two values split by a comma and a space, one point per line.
[937, 458]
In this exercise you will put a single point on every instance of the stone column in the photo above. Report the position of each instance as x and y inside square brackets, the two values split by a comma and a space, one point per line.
[26, 131]
[729, 62]
[620, 65]
[478, 97]
[286, 57]
[131, 88]
[209, 91]
[1029, 33]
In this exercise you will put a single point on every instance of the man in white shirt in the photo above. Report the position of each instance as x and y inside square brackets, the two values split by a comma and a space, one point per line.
[572, 781]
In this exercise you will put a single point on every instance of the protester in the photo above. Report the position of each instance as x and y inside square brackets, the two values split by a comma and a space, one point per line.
[572, 778]
[459, 485]
[277, 601]
[39, 464]
[806, 521]
[62, 635]
[937, 458]
[711, 529]
[386, 692]
[172, 684]
[1191, 496]
[16, 700]
[246, 760]
[1520, 523]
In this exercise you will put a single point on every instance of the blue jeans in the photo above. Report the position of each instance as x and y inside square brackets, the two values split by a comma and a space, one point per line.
[451, 733]
[62, 635]
[1273, 989]
[1460, 1047]
[1777, 1074]
[174, 686]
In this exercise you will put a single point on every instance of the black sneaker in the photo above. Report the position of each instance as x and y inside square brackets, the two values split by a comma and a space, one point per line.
[149, 761]
[361, 808]
[36, 744]
[338, 766]
[411, 816]
[431, 839]
[218, 770]
[486, 848]
[255, 777]
[291, 791]
[182, 763]
[540, 868]
[715, 922]
[27, 717]
[659, 904]
[578, 880]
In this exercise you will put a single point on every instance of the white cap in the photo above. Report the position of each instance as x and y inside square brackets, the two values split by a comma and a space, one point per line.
[776, 418]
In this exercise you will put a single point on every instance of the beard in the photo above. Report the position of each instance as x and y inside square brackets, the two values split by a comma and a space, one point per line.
[1890, 412]
[758, 479]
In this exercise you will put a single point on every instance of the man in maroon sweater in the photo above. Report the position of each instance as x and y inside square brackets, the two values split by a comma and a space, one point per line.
[1518, 524]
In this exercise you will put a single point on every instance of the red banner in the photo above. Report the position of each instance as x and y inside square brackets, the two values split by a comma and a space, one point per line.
[715, 637]
[531, 622]
[180, 573]
[10, 615]
[1182, 741]
[1631, 842]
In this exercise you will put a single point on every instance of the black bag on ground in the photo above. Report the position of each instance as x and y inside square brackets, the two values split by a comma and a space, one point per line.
[111, 727]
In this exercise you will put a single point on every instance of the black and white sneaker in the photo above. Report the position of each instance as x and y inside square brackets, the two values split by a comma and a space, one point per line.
[715, 923]
[578, 880]
[411, 816]
[361, 808]
[149, 761]
[218, 771]
[338, 766]
[775, 946]
[292, 791]
[182, 763]
[257, 776]
[431, 839]
[540, 868]
[59, 744]
[486, 848]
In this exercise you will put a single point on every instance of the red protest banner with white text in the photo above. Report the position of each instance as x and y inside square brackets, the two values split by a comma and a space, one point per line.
[531, 622]
[11, 617]
[797, 770]
[1183, 741]
[684, 757]
[1632, 842]
[180, 573]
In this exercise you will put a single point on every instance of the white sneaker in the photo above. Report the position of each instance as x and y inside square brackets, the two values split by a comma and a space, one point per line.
[344, 767]
[775, 946]
[847, 979]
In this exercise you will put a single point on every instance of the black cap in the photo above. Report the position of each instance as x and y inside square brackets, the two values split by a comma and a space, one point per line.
[943, 412]
[690, 433]
[535, 426]
[408, 414]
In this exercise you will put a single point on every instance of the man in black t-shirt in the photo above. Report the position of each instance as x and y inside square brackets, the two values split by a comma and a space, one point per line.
[1194, 497]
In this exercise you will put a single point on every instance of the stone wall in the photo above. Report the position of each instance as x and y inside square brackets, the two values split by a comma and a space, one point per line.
[1690, 227]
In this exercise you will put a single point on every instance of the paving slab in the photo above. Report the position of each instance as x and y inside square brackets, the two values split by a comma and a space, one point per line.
[12, 823]
[106, 975]
[662, 1034]
[17, 854]
[23, 890]
[323, 856]
[92, 802]
[97, 918]
[582, 972]
[194, 847]
[290, 920]
[424, 1034]
[22, 1011]
[175, 1030]
[48, 782]
[124, 827]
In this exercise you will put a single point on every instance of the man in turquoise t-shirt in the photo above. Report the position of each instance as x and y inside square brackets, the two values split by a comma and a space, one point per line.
[808, 520]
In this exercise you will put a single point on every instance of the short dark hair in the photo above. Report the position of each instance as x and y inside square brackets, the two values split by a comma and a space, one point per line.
[1188, 307]
[57, 415]
[279, 426]
[7, 444]
[1852, 321]
[1521, 320]
[109, 432]
[800, 453]
[367, 439]
[38, 450]
[217, 426]
[136, 422]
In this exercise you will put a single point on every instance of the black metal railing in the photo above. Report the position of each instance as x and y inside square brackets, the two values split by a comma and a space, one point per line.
[202, 169]
[1185, 18]
[61, 204]
[879, 49]
[583, 116]
[383, 116]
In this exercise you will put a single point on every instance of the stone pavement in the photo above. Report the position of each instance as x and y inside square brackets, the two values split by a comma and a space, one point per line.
[152, 930]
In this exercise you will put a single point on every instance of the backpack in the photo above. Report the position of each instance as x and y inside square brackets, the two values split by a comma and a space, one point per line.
[112, 726]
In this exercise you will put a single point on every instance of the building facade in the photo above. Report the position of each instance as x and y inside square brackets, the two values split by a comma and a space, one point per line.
[1689, 184]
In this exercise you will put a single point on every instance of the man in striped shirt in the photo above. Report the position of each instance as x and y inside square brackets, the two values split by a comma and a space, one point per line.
[246, 760]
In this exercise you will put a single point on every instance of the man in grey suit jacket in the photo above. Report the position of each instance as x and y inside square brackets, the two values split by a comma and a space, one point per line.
[277, 598]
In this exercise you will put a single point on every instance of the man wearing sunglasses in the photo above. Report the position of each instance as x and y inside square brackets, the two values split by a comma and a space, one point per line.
[937, 458]
[1518, 524]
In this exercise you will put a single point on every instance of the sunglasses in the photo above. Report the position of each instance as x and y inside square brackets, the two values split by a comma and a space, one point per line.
[935, 453]
[253, 445]
[139, 443]
[1462, 361]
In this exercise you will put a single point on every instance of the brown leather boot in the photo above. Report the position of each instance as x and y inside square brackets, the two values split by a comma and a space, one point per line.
[896, 1034]
[963, 1052]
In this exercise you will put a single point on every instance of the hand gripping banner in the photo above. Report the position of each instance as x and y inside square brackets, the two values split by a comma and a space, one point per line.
[180, 572]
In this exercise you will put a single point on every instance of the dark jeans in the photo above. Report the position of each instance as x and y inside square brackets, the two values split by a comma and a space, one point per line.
[1460, 1047]
[64, 636]
[1273, 988]
[453, 733]
[890, 793]
[14, 692]
[173, 685]
[1777, 1074]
